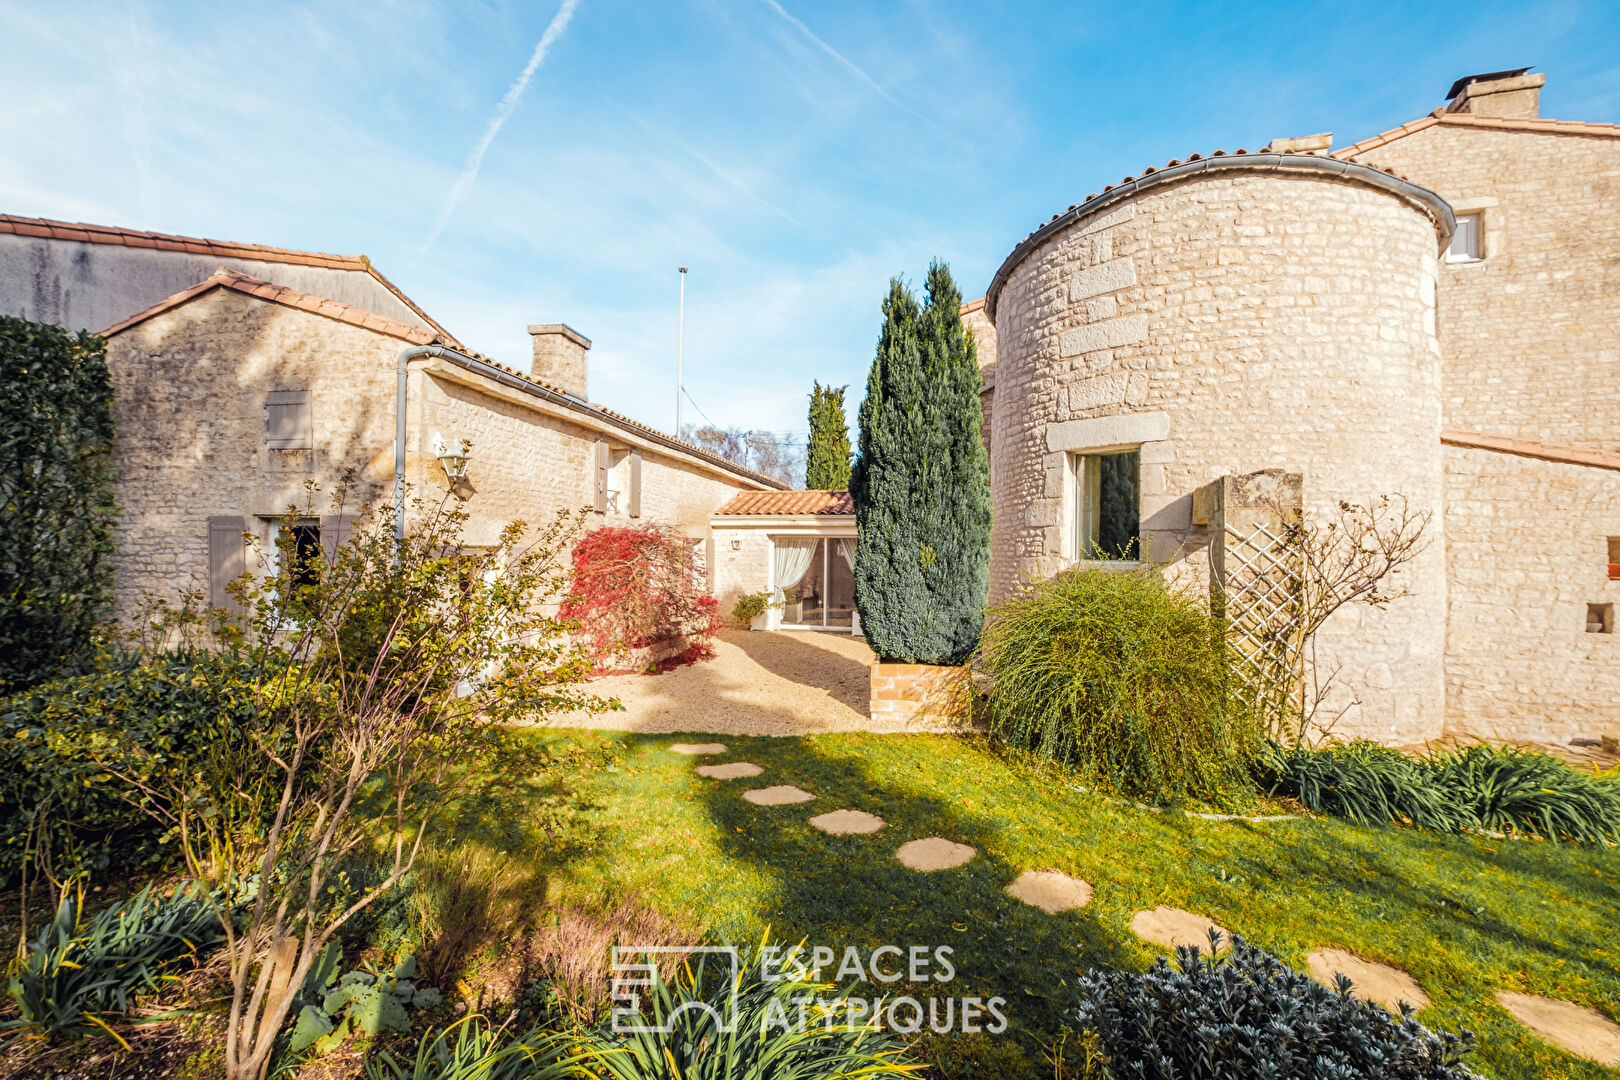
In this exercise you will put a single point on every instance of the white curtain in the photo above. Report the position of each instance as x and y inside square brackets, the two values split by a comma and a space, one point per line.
[846, 548]
[793, 555]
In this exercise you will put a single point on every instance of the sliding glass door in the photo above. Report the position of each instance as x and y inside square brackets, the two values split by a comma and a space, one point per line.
[825, 595]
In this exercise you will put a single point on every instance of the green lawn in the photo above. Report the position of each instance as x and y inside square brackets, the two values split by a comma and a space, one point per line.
[1464, 916]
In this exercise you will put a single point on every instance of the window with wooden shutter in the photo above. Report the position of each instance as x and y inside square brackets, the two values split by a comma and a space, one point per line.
[635, 483]
[286, 421]
[227, 560]
[604, 462]
[336, 530]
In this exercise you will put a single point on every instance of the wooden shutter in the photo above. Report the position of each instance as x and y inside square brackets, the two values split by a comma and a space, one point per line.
[336, 530]
[227, 559]
[287, 422]
[635, 483]
[604, 462]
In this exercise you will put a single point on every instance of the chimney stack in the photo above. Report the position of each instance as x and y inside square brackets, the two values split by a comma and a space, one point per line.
[559, 357]
[1320, 144]
[1512, 95]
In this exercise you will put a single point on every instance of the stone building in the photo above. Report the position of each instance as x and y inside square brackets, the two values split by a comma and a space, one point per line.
[1425, 314]
[242, 373]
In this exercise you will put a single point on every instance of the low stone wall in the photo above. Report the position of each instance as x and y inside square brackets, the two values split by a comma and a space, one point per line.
[920, 697]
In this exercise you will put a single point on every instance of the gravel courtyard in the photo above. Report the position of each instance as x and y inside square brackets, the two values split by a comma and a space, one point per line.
[787, 682]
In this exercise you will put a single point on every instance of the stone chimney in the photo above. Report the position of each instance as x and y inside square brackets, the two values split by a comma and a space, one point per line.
[559, 357]
[1303, 144]
[1509, 94]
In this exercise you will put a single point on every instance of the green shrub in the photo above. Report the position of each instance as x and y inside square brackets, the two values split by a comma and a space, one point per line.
[1478, 788]
[73, 974]
[1123, 678]
[367, 1000]
[471, 1050]
[58, 739]
[1248, 1017]
[750, 606]
[56, 484]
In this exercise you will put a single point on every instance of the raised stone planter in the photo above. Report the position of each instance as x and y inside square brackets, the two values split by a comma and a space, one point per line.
[920, 697]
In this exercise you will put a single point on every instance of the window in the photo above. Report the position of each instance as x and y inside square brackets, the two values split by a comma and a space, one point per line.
[1600, 618]
[1108, 521]
[305, 550]
[1467, 243]
[823, 593]
[286, 421]
[1614, 558]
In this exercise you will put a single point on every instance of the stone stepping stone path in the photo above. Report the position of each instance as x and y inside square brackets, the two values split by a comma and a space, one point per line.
[1172, 927]
[1584, 1032]
[731, 770]
[781, 795]
[1388, 986]
[1050, 891]
[848, 822]
[694, 749]
[934, 853]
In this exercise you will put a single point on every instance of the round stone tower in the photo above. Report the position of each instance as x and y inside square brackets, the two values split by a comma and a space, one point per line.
[1216, 318]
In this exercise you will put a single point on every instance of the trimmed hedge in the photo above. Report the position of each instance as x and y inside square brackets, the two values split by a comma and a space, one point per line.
[140, 715]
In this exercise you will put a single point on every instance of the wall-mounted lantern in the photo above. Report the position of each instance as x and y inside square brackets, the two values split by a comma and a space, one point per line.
[454, 460]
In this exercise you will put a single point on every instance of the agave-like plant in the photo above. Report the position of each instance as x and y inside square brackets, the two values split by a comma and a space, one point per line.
[1365, 783]
[708, 1023]
[77, 972]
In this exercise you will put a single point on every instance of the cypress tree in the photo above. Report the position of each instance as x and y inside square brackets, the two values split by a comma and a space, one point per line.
[921, 484]
[827, 459]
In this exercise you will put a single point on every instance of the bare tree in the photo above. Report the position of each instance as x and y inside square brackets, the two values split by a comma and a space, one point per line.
[380, 669]
[1353, 555]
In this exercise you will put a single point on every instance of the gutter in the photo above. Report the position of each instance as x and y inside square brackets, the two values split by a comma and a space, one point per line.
[1438, 209]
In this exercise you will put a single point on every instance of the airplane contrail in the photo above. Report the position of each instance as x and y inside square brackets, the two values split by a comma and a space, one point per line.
[475, 160]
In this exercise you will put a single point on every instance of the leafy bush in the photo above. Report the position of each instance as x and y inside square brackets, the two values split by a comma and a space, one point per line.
[57, 739]
[639, 587]
[1479, 788]
[73, 974]
[1246, 1016]
[368, 1000]
[771, 1040]
[56, 484]
[1123, 678]
[750, 606]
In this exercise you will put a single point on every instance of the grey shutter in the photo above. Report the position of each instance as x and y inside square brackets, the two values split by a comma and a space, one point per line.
[227, 559]
[604, 462]
[287, 423]
[336, 530]
[635, 483]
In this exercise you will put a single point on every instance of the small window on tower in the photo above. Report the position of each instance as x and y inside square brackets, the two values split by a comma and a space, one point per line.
[1108, 520]
[1614, 558]
[1468, 242]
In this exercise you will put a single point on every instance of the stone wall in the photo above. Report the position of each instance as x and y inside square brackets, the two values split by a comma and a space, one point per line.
[743, 569]
[191, 385]
[1526, 552]
[1228, 323]
[1531, 340]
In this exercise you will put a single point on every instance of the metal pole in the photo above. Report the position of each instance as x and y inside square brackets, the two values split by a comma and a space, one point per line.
[680, 356]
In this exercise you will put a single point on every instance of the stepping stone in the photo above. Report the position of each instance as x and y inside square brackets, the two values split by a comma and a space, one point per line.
[1171, 927]
[691, 749]
[1050, 891]
[934, 853]
[730, 770]
[1389, 986]
[1584, 1032]
[780, 795]
[845, 822]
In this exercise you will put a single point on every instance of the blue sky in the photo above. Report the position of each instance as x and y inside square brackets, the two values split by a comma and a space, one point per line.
[794, 155]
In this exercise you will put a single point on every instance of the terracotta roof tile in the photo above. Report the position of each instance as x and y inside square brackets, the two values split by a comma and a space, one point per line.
[80, 232]
[317, 305]
[774, 503]
[1495, 123]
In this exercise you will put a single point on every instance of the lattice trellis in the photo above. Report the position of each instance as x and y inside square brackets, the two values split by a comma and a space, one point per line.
[1261, 592]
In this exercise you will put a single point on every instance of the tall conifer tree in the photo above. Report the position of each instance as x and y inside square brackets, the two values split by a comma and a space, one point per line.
[827, 459]
[921, 484]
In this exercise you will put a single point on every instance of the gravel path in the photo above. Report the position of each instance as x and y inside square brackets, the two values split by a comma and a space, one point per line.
[788, 682]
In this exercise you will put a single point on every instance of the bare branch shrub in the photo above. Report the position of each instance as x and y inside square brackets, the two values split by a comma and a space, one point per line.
[381, 669]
